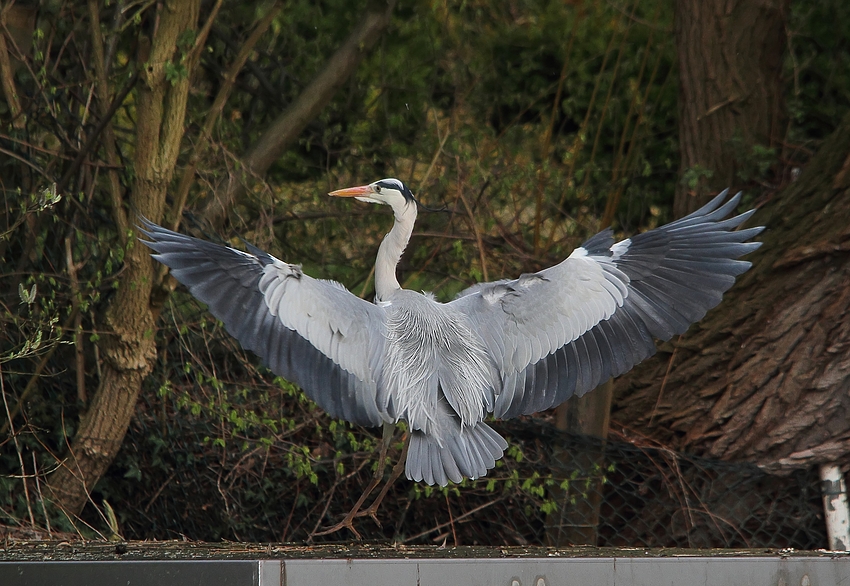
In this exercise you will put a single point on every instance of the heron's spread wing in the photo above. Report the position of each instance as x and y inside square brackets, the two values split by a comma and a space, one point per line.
[311, 332]
[566, 329]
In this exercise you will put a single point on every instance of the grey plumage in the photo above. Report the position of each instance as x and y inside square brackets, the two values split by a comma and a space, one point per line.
[509, 348]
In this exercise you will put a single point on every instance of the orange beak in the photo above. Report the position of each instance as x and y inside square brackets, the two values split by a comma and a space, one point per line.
[362, 191]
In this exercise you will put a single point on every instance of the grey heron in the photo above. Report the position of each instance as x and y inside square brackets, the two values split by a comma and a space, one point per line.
[505, 348]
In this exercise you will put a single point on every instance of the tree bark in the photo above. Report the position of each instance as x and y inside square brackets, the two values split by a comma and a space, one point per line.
[576, 522]
[17, 23]
[286, 128]
[765, 377]
[128, 347]
[730, 90]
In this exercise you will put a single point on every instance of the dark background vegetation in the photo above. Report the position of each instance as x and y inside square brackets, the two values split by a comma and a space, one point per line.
[523, 121]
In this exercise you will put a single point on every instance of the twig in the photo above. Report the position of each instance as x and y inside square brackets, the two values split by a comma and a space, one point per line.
[116, 103]
[216, 109]
[287, 126]
[581, 132]
[664, 383]
[324, 511]
[234, 473]
[17, 447]
[41, 496]
[201, 37]
[110, 148]
[159, 490]
[79, 477]
[547, 137]
[442, 525]
[137, 15]
[366, 282]
[652, 26]
[628, 165]
[445, 235]
[451, 520]
[614, 197]
[113, 108]
[437, 152]
[607, 101]
[34, 378]
[719, 106]
[472, 223]
[291, 512]
[438, 250]
[26, 162]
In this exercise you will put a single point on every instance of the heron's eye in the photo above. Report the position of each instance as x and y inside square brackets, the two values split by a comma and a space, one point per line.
[378, 189]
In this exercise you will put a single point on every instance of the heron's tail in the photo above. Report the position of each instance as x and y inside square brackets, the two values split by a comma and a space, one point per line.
[469, 453]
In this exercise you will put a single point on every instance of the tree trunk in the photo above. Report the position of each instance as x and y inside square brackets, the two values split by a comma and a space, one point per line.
[17, 24]
[730, 91]
[288, 126]
[128, 348]
[765, 377]
[576, 521]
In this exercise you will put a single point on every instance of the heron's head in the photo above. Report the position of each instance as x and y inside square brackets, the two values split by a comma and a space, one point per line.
[390, 192]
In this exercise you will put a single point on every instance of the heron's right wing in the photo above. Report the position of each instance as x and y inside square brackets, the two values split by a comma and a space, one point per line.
[312, 332]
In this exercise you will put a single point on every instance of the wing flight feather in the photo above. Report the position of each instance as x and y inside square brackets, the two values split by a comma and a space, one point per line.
[566, 329]
[311, 332]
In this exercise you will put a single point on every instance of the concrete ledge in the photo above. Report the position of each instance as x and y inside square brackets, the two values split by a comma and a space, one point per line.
[792, 570]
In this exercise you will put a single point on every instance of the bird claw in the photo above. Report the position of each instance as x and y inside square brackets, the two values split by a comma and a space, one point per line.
[372, 511]
[355, 512]
[344, 524]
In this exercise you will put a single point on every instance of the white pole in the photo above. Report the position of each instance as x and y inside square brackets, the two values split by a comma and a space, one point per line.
[836, 510]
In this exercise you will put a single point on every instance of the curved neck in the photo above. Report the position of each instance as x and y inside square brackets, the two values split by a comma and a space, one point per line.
[391, 249]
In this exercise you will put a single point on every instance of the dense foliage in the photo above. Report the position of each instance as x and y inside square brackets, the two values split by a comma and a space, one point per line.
[520, 122]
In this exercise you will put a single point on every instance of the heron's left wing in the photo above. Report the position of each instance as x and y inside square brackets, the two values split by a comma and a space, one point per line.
[312, 332]
[568, 328]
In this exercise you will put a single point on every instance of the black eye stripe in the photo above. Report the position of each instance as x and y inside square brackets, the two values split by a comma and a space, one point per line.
[397, 185]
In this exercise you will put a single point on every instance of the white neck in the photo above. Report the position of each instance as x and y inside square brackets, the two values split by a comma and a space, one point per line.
[391, 249]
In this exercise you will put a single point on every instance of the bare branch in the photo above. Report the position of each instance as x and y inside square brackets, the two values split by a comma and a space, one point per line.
[103, 92]
[215, 112]
[288, 126]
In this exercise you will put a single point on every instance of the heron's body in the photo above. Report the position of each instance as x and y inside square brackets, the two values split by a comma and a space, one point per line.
[506, 348]
[438, 376]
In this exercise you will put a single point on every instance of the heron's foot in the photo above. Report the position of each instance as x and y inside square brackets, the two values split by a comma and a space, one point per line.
[372, 511]
[347, 522]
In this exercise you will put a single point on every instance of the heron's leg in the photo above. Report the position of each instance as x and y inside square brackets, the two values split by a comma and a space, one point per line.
[372, 511]
[386, 440]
